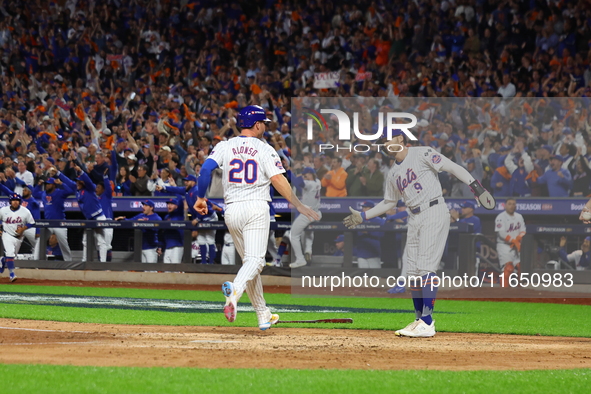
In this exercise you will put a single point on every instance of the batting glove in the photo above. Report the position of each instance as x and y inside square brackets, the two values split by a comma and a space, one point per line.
[483, 196]
[353, 219]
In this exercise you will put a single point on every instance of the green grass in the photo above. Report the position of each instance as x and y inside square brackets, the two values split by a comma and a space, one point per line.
[468, 316]
[49, 379]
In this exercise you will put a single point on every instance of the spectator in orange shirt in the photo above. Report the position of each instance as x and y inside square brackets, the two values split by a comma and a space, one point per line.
[335, 180]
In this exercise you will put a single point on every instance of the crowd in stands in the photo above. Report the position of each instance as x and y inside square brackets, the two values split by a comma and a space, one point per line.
[143, 90]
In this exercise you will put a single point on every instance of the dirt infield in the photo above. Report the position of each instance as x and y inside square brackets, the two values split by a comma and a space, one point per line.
[33, 342]
[27, 341]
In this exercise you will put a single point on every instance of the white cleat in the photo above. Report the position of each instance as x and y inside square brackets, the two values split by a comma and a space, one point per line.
[274, 320]
[231, 308]
[298, 264]
[417, 329]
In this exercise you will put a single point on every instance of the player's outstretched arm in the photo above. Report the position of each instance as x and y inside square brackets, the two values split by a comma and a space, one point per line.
[203, 184]
[483, 196]
[281, 184]
[357, 217]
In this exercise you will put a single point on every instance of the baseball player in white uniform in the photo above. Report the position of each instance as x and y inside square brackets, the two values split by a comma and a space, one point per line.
[414, 179]
[15, 221]
[229, 250]
[510, 228]
[310, 186]
[249, 166]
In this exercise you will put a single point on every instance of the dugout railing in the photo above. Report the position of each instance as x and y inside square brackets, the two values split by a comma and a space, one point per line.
[466, 255]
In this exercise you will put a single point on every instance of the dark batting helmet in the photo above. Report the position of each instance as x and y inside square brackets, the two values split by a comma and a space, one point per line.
[250, 115]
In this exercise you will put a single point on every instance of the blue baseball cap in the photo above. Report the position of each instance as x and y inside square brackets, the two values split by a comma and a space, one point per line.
[149, 203]
[340, 238]
[588, 238]
[548, 148]
[468, 204]
[51, 181]
[557, 157]
[469, 161]
[190, 178]
[308, 170]
[120, 140]
[368, 204]
[172, 201]
[400, 203]
[51, 160]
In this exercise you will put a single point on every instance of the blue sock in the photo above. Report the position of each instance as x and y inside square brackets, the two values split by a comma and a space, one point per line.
[203, 250]
[9, 263]
[211, 254]
[281, 250]
[109, 255]
[429, 295]
[417, 299]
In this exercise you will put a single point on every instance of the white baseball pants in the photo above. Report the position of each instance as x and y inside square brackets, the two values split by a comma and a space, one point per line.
[297, 230]
[61, 233]
[248, 222]
[99, 239]
[425, 239]
[149, 256]
[11, 244]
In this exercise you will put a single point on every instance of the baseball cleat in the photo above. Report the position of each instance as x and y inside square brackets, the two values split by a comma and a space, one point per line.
[308, 257]
[298, 264]
[274, 320]
[417, 329]
[12, 277]
[397, 290]
[276, 263]
[230, 309]
[2, 265]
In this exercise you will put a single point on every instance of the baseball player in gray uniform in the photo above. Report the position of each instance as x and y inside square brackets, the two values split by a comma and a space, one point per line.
[414, 179]
[510, 229]
[249, 166]
[15, 221]
[310, 187]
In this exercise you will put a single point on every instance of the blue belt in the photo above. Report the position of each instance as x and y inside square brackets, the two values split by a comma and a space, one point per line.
[418, 209]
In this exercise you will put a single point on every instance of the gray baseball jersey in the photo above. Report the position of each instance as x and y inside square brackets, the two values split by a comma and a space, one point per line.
[415, 180]
[311, 194]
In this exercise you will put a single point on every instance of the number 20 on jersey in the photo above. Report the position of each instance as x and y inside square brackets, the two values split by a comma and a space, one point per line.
[243, 171]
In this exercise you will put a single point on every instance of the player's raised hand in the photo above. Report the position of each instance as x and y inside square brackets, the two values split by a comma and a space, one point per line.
[353, 219]
[308, 212]
[585, 215]
[201, 206]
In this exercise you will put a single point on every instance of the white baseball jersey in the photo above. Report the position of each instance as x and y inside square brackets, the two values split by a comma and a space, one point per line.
[311, 194]
[248, 164]
[509, 225]
[415, 180]
[11, 220]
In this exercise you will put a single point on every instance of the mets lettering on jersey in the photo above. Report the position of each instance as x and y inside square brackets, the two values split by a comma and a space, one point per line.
[11, 220]
[415, 179]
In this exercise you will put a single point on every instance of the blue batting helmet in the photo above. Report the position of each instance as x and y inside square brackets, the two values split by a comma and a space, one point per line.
[15, 197]
[251, 114]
